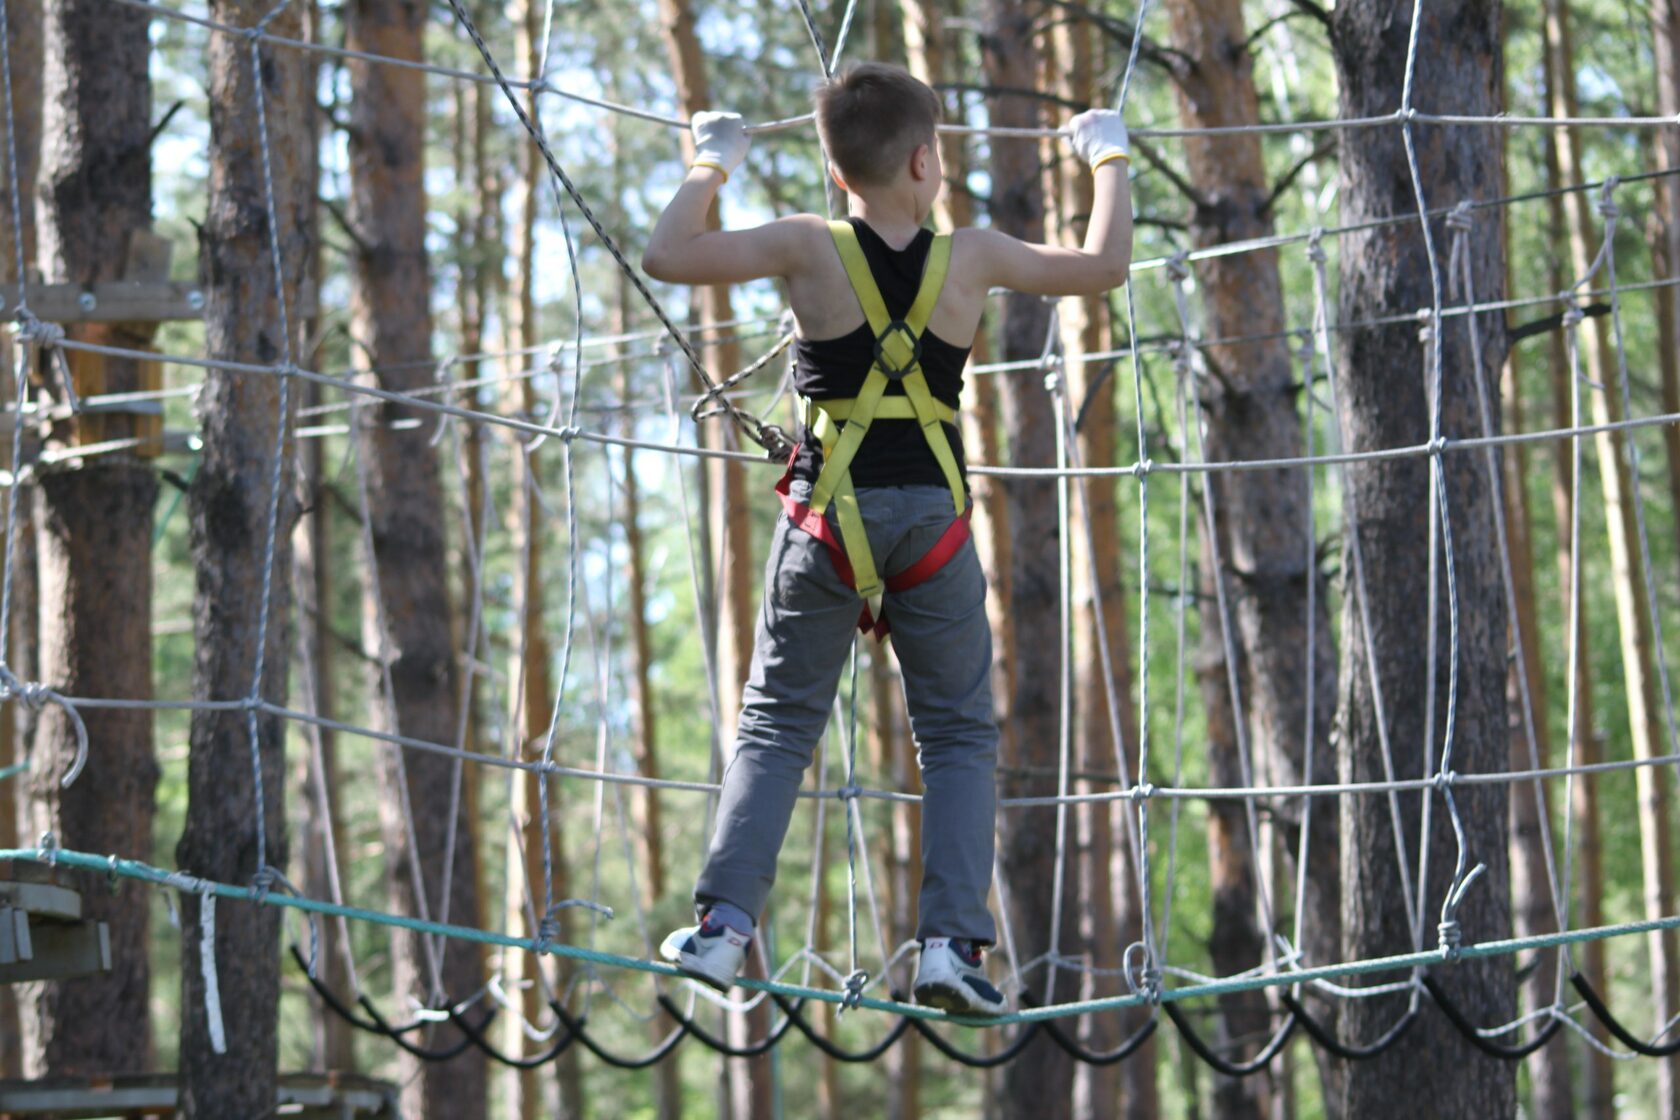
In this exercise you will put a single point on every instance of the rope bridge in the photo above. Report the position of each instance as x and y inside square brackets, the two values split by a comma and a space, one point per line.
[1153, 982]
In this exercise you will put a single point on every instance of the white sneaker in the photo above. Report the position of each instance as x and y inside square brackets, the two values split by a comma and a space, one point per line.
[951, 981]
[711, 953]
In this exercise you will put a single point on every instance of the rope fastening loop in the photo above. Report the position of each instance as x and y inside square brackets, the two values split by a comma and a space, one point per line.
[1443, 779]
[1606, 204]
[1142, 468]
[1178, 267]
[1142, 976]
[1572, 317]
[34, 695]
[855, 984]
[1143, 791]
[1460, 218]
[1436, 446]
[32, 328]
[1450, 936]
[1405, 115]
[849, 792]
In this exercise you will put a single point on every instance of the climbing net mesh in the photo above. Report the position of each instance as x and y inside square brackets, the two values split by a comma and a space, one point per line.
[1150, 778]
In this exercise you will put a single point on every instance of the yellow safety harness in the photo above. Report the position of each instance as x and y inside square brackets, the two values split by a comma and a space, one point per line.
[898, 353]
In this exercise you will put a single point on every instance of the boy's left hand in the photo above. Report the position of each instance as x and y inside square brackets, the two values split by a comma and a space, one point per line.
[720, 140]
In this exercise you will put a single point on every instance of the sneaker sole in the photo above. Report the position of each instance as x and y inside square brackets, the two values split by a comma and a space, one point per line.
[675, 958]
[949, 998]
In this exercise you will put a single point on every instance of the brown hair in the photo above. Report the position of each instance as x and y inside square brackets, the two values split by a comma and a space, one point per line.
[871, 116]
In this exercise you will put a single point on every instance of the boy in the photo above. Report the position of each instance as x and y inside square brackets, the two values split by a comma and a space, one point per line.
[876, 500]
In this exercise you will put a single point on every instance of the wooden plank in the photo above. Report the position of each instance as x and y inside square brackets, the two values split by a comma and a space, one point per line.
[42, 900]
[115, 301]
[310, 1096]
[60, 951]
[15, 944]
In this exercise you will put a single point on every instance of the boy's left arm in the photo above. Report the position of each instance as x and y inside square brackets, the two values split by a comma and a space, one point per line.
[683, 250]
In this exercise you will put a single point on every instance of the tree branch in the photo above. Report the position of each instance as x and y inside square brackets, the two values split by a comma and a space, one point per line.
[1156, 161]
[1325, 148]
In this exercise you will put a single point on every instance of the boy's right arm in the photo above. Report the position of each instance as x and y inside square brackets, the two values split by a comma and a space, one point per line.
[1104, 261]
[683, 250]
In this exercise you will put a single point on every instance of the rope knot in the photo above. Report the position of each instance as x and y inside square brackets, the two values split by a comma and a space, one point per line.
[548, 931]
[1143, 791]
[264, 881]
[1572, 317]
[1137, 964]
[1315, 246]
[1178, 267]
[1450, 936]
[31, 328]
[849, 792]
[1606, 204]
[1451, 939]
[1435, 447]
[1443, 779]
[567, 433]
[1460, 219]
[1406, 115]
[854, 990]
[1141, 469]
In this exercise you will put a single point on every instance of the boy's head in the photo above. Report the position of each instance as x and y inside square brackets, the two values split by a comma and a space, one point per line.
[872, 117]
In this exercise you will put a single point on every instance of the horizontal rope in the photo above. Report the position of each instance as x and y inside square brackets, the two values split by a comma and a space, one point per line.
[143, 872]
[1398, 117]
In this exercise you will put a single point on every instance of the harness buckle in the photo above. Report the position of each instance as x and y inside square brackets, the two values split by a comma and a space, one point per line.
[891, 366]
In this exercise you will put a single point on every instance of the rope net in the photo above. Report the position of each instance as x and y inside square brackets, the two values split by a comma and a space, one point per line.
[631, 405]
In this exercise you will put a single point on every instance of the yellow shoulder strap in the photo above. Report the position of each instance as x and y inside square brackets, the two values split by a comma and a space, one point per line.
[869, 294]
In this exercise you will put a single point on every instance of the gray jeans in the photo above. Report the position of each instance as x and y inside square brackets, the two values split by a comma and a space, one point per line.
[944, 648]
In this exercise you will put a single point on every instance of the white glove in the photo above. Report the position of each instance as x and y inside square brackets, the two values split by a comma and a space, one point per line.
[1099, 135]
[720, 141]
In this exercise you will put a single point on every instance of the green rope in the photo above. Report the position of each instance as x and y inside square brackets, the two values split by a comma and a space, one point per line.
[13, 770]
[133, 869]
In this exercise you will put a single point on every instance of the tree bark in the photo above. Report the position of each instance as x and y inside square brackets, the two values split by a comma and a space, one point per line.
[1629, 576]
[1381, 379]
[729, 513]
[1107, 888]
[1264, 537]
[229, 509]
[1040, 1080]
[391, 322]
[1551, 1081]
[95, 537]
[24, 32]
[1665, 49]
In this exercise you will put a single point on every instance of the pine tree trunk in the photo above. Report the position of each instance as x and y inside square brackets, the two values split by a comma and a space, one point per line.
[1106, 885]
[1040, 1080]
[391, 322]
[1381, 379]
[95, 538]
[1633, 621]
[229, 507]
[1665, 47]
[1552, 1095]
[24, 31]
[1598, 1070]
[729, 514]
[318, 781]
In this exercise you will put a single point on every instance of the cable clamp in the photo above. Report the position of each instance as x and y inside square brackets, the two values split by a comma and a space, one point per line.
[854, 990]
[1450, 936]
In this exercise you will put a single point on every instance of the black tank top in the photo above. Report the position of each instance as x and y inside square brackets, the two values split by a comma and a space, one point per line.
[894, 453]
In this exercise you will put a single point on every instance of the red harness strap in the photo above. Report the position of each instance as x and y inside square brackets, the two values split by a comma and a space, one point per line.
[949, 542]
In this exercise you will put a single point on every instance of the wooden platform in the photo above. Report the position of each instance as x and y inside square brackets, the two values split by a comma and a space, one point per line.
[307, 1096]
[43, 935]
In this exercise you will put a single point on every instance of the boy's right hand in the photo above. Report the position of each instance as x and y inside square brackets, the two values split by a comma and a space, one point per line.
[1099, 135]
[720, 140]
